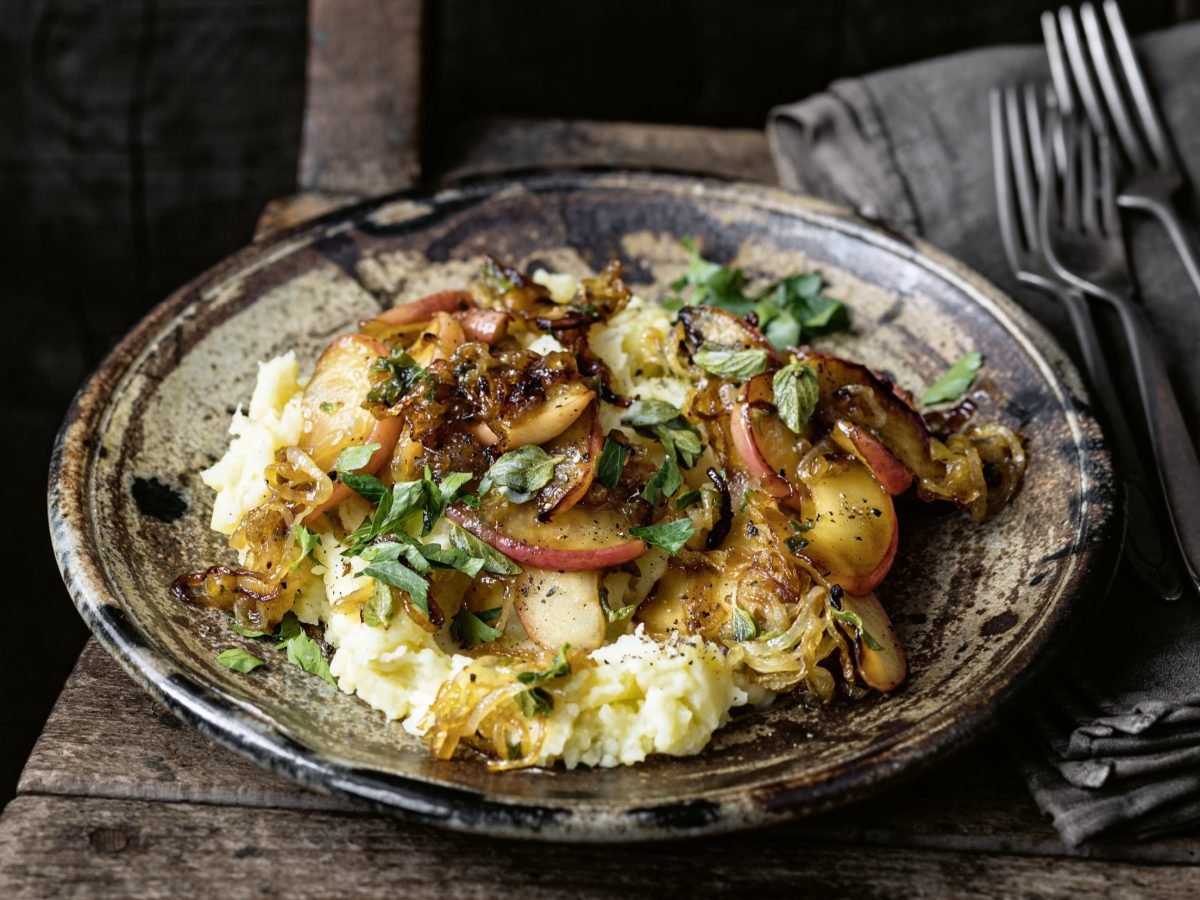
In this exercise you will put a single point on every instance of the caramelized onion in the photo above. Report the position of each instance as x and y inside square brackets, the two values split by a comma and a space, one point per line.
[256, 602]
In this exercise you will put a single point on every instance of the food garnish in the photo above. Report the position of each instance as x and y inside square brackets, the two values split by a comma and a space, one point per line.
[512, 504]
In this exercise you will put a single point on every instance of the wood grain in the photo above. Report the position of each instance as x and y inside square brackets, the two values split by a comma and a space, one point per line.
[362, 114]
[500, 145]
[975, 803]
[129, 848]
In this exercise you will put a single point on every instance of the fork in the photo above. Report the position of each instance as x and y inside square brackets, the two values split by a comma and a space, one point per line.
[1016, 143]
[1155, 175]
[1081, 236]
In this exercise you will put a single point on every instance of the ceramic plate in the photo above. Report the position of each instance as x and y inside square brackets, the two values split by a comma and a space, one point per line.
[977, 607]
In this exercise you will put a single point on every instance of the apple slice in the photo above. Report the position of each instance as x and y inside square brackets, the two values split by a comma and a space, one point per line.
[884, 669]
[564, 404]
[712, 325]
[558, 608]
[425, 309]
[440, 338]
[334, 418]
[855, 533]
[741, 430]
[484, 325]
[574, 541]
[580, 446]
[888, 471]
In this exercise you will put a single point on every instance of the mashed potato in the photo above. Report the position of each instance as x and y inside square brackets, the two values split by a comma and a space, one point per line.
[274, 421]
[640, 697]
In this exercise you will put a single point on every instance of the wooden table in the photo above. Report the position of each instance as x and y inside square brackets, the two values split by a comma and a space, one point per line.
[120, 799]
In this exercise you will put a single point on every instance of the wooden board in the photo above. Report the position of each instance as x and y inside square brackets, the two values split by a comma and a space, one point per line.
[362, 114]
[128, 848]
[976, 803]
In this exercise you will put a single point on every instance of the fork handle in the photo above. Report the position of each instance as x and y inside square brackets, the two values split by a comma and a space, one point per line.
[1178, 466]
[1169, 220]
[1147, 544]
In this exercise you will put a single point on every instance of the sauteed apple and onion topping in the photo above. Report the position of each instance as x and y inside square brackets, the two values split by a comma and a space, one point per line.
[544, 519]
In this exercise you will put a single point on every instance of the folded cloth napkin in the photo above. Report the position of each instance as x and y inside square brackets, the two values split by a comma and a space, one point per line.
[1113, 743]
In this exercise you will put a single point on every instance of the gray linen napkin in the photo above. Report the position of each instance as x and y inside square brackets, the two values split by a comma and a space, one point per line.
[1114, 743]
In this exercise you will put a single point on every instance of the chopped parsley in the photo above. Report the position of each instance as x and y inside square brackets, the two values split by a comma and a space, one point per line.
[354, 458]
[854, 621]
[958, 378]
[239, 660]
[401, 374]
[796, 393]
[474, 628]
[665, 482]
[612, 463]
[736, 365]
[663, 422]
[306, 540]
[521, 473]
[668, 536]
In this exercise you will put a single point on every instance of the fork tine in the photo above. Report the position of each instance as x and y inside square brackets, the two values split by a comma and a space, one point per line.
[1089, 199]
[1019, 156]
[1033, 125]
[1070, 178]
[1059, 76]
[1117, 106]
[1005, 192]
[1147, 113]
[1110, 215]
[1080, 68]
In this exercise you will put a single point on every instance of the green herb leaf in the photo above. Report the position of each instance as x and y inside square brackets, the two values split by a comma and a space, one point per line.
[470, 629]
[304, 652]
[799, 297]
[521, 473]
[796, 543]
[853, 620]
[713, 284]
[493, 560]
[956, 381]
[247, 632]
[612, 463]
[744, 628]
[666, 481]
[330, 407]
[683, 501]
[668, 536]
[354, 458]
[239, 660]
[736, 365]
[796, 393]
[535, 702]
[615, 615]
[305, 540]
[366, 486]
[289, 627]
[558, 668]
[438, 497]
[377, 612]
[403, 374]
[391, 515]
[400, 576]
[666, 424]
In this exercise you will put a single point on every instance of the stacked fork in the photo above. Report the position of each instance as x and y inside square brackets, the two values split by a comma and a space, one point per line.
[1058, 198]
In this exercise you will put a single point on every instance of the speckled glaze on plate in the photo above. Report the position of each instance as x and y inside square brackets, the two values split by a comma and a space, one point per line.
[977, 607]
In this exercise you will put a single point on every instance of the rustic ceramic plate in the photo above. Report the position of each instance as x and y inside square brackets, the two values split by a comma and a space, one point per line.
[976, 606]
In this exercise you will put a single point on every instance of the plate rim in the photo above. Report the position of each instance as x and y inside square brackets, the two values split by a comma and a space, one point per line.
[205, 708]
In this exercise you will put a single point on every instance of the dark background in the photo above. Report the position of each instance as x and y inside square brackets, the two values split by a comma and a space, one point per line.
[140, 140]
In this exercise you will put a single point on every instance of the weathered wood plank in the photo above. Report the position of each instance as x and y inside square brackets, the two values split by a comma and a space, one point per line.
[362, 114]
[498, 145]
[103, 716]
[976, 802]
[67, 846]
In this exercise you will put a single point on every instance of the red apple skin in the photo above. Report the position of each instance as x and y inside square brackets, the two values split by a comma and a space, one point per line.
[484, 325]
[741, 429]
[426, 308]
[385, 433]
[546, 557]
[885, 669]
[892, 475]
[864, 584]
